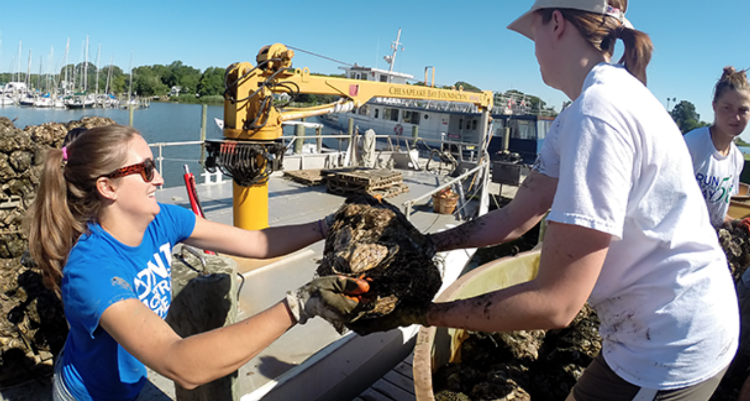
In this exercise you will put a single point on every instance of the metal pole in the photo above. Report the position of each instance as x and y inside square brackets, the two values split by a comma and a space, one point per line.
[131, 113]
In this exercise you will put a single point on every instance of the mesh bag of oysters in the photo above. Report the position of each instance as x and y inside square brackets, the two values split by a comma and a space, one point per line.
[372, 240]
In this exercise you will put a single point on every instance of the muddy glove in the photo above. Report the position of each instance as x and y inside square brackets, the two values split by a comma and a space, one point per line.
[745, 223]
[326, 297]
[400, 317]
[325, 224]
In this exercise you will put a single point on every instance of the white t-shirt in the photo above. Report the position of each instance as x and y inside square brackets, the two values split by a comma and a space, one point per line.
[718, 176]
[664, 296]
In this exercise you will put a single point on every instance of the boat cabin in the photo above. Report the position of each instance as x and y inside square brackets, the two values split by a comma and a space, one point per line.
[526, 135]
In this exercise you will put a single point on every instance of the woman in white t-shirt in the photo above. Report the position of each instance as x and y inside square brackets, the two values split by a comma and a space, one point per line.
[716, 160]
[627, 232]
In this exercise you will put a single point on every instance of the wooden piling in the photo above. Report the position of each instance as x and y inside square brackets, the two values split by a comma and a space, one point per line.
[204, 118]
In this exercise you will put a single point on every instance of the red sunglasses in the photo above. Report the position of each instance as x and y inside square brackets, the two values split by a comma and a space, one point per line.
[145, 169]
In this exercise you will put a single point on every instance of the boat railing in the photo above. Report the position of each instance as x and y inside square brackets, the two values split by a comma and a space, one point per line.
[393, 144]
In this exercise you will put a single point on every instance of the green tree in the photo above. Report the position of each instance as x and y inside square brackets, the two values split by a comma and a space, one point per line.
[147, 82]
[115, 75]
[211, 82]
[467, 86]
[186, 77]
[686, 118]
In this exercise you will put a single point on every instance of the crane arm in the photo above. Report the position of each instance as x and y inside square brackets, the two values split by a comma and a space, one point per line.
[249, 112]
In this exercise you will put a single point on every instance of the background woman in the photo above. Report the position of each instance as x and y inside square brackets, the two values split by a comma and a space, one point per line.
[627, 228]
[104, 243]
[716, 160]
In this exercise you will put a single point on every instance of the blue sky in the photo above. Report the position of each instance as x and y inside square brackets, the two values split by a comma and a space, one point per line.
[693, 39]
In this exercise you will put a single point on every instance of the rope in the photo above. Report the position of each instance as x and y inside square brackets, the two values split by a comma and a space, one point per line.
[319, 55]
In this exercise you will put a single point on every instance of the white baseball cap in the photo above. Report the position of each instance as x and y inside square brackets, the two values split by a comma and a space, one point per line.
[522, 25]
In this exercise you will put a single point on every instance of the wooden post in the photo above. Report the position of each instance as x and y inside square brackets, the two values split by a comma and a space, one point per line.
[415, 134]
[350, 131]
[204, 117]
[300, 138]
[131, 114]
[318, 134]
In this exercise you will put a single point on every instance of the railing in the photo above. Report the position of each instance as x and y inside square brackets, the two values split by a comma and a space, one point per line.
[407, 206]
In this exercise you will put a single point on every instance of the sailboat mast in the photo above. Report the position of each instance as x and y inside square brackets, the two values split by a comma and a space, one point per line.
[67, 83]
[86, 66]
[109, 74]
[130, 88]
[28, 70]
[18, 71]
[98, 53]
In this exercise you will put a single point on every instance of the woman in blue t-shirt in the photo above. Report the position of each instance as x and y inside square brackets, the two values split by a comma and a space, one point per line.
[104, 244]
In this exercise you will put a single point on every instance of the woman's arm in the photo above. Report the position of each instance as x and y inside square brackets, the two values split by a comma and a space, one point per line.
[261, 244]
[532, 201]
[197, 359]
[572, 258]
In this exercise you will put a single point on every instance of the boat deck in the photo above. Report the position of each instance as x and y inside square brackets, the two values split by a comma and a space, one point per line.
[396, 385]
[301, 354]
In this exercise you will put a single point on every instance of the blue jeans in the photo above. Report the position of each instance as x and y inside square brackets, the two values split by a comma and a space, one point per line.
[59, 391]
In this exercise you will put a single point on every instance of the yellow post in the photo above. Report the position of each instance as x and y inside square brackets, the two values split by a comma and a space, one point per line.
[250, 206]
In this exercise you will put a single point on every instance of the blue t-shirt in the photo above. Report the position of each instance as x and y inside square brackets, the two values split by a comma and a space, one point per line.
[100, 272]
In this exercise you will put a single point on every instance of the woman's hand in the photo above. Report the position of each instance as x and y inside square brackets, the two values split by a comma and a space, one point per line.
[330, 297]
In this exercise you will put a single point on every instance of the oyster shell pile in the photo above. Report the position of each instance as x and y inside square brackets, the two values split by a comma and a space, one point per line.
[735, 241]
[372, 239]
[522, 365]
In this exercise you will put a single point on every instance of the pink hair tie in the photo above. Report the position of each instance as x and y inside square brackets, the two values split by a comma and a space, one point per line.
[65, 153]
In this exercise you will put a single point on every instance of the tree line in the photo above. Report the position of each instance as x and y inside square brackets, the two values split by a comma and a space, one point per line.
[197, 86]
[154, 80]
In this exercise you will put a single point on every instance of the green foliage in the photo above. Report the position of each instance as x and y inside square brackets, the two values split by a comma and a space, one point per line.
[467, 86]
[739, 142]
[211, 82]
[192, 99]
[686, 118]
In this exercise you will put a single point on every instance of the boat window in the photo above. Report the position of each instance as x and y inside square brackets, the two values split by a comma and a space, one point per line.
[391, 114]
[376, 113]
[364, 110]
[523, 129]
[474, 124]
[426, 116]
[542, 127]
[468, 124]
[414, 118]
[407, 116]
[384, 78]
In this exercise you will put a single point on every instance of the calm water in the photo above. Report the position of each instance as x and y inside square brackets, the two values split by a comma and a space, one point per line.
[162, 122]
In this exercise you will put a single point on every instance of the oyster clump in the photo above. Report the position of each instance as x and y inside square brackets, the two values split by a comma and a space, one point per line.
[372, 239]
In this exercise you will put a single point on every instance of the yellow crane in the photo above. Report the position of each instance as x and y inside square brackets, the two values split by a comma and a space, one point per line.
[253, 124]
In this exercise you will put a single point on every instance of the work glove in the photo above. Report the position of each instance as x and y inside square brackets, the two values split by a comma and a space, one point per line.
[326, 297]
[325, 224]
[402, 316]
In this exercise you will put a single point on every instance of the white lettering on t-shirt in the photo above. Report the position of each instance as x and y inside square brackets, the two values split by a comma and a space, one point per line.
[153, 284]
